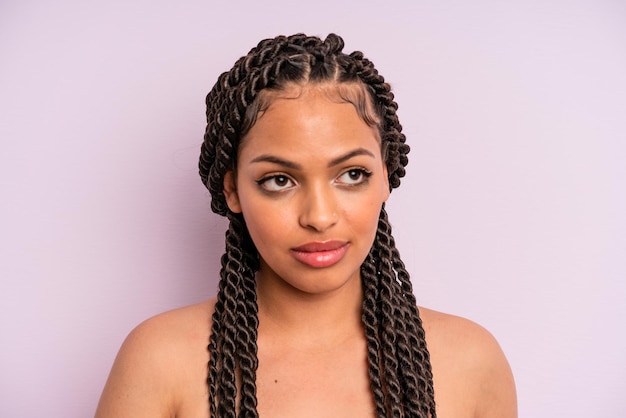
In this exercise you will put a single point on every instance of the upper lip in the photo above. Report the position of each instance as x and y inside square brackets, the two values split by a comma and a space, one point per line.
[317, 246]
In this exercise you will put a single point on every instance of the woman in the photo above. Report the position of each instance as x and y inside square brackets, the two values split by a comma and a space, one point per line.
[315, 314]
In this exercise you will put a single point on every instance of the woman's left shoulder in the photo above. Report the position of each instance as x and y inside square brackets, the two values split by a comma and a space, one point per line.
[466, 358]
[447, 328]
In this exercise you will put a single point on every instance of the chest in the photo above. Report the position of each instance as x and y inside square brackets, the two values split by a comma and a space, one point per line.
[295, 384]
[324, 383]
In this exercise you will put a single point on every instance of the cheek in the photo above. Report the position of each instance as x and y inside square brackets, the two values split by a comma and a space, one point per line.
[266, 221]
[362, 215]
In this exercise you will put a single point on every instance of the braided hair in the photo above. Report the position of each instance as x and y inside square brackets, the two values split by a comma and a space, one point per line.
[399, 365]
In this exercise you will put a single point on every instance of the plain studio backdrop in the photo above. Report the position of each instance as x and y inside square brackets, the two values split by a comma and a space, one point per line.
[511, 214]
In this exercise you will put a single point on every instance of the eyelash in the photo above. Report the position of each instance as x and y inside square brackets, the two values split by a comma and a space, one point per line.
[363, 174]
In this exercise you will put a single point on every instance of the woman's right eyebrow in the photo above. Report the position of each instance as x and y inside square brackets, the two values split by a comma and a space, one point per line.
[265, 158]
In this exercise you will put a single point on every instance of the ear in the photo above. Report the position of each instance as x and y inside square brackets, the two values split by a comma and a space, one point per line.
[384, 150]
[230, 192]
[386, 177]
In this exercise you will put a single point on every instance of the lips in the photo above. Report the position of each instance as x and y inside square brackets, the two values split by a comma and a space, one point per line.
[320, 254]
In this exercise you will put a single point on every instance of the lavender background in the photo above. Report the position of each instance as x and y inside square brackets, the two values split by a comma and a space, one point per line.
[512, 212]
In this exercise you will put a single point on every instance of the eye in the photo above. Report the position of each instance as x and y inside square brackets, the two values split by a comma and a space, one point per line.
[354, 177]
[275, 183]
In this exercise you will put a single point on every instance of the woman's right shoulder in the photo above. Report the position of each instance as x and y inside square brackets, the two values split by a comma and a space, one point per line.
[154, 362]
[171, 326]
[168, 333]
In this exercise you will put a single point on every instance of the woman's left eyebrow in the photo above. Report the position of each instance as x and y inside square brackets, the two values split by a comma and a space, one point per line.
[351, 154]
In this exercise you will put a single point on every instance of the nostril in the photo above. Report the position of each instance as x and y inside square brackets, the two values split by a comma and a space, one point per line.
[319, 213]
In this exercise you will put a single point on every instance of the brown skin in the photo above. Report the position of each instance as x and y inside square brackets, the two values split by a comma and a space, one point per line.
[311, 343]
[161, 371]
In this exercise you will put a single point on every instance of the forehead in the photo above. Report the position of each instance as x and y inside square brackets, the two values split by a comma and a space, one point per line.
[355, 93]
[310, 120]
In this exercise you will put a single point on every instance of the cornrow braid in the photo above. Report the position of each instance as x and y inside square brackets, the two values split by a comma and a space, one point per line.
[399, 365]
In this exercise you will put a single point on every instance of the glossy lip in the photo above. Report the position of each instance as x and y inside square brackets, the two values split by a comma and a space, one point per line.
[320, 254]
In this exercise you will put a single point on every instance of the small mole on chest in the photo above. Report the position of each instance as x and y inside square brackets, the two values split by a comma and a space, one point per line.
[275, 381]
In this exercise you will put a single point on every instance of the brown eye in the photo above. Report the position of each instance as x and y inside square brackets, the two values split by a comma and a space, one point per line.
[354, 177]
[276, 183]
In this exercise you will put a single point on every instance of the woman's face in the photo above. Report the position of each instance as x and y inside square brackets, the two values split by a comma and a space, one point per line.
[310, 182]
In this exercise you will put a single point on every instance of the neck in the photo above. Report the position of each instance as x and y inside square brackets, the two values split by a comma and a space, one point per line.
[313, 319]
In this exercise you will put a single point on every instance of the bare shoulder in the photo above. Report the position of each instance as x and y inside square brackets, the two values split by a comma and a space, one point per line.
[451, 329]
[154, 363]
[471, 373]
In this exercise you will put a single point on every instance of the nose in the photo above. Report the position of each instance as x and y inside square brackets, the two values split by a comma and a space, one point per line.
[319, 208]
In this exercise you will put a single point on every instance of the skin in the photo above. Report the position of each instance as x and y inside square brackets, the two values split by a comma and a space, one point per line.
[300, 179]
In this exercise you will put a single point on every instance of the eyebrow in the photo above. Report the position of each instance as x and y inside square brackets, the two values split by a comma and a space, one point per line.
[266, 158]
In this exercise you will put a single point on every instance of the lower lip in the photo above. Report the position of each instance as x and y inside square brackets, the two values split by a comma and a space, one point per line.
[320, 259]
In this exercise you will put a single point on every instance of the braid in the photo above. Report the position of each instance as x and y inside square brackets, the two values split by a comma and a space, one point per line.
[410, 383]
[399, 366]
[390, 130]
[232, 344]
[370, 317]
